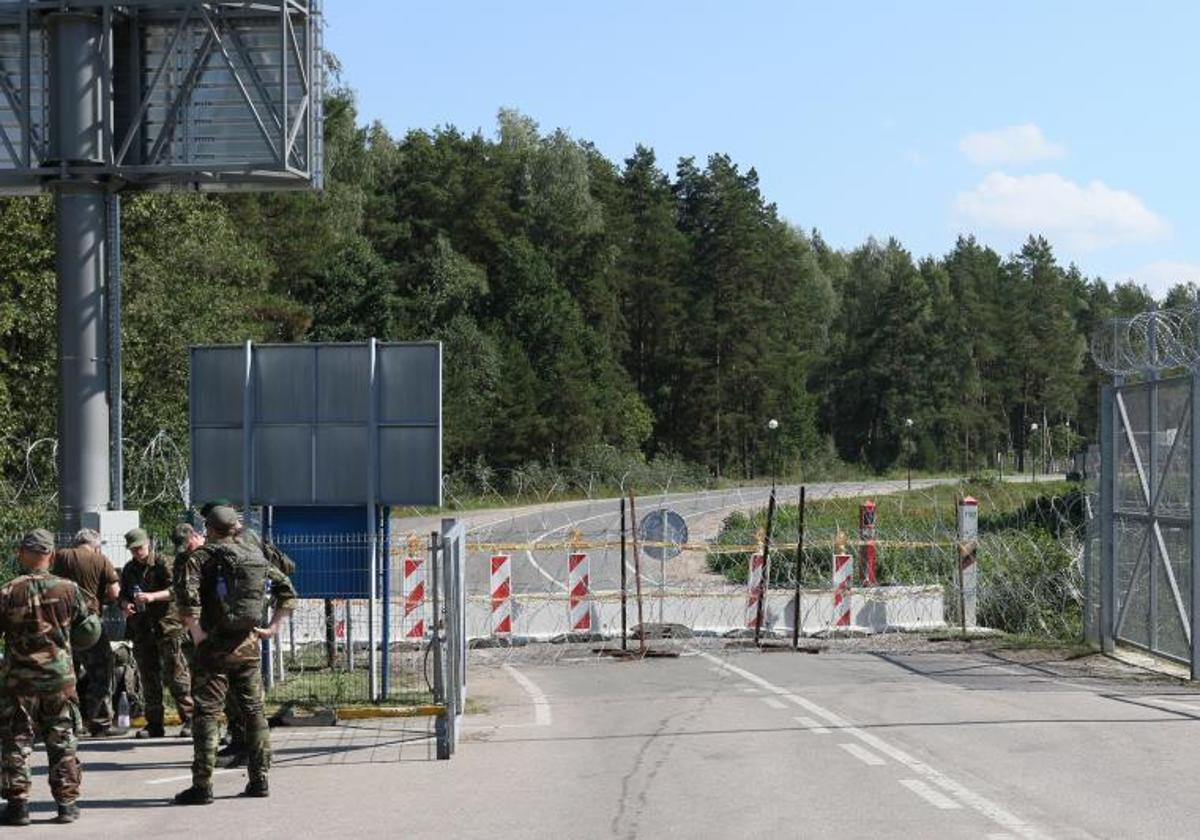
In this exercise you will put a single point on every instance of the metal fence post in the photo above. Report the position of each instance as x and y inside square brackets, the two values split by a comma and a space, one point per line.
[1194, 501]
[1107, 524]
[372, 519]
[386, 587]
[441, 726]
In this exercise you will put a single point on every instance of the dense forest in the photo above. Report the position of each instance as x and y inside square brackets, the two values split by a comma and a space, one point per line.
[590, 310]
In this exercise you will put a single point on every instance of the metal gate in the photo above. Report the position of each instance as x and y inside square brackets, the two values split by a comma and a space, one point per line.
[1148, 494]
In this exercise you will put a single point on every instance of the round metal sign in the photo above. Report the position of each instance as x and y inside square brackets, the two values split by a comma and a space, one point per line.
[663, 526]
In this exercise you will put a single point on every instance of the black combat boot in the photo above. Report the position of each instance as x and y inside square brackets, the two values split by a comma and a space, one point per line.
[257, 788]
[67, 813]
[151, 731]
[194, 796]
[17, 812]
[185, 731]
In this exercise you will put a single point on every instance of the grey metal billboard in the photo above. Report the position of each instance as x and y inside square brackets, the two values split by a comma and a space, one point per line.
[194, 94]
[324, 424]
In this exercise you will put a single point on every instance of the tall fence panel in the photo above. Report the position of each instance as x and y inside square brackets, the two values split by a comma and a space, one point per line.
[1145, 530]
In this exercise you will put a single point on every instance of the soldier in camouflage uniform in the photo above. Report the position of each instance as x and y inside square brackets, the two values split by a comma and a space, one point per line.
[87, 566]
[42, 618]
[226, 660]
[152, 624]
[233, 754]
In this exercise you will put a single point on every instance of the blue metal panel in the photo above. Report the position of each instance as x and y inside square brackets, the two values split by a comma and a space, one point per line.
[331, 550]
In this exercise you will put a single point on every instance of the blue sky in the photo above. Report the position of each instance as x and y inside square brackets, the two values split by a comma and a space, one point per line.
[912, 119]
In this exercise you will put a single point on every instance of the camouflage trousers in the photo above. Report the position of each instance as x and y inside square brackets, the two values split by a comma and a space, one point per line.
[52, 718]
[94, 675]
[213, 678]
[159, 661]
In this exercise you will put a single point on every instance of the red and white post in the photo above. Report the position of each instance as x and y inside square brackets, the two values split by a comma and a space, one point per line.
[968, 555]
[501, 595]
[843, 575]
[755, 587]
[866, 532]
[414, 598]
[580, 602]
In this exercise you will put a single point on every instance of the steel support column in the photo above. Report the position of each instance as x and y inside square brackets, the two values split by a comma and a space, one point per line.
[1107, 524]
[76, 74]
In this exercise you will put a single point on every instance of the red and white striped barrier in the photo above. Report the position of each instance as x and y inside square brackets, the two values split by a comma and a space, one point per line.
[755, 585]
[414, 598]
[579, 617]
[501, 595]
[843, 570]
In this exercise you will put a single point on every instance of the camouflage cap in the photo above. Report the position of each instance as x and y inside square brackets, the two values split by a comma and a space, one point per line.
[181, 534]
[222, 518]
[39, 541]
[137, 538]
[212, 503]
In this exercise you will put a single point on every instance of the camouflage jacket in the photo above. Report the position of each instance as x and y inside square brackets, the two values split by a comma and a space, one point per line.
[40, 617]
[159, 619]
[196, 596]
[274, 556]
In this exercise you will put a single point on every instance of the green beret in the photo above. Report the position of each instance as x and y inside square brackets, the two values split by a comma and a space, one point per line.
[212, 503]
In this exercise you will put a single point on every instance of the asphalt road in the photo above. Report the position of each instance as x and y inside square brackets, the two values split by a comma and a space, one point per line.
[717, 743]
[537, 571]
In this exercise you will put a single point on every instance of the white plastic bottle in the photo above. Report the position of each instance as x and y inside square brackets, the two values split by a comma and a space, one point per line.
[123, 711]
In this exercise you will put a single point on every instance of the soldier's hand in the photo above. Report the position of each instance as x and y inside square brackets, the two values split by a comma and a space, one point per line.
[264, 633]
[142, 598]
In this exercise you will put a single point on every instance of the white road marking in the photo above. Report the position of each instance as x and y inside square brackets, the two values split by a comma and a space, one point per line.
[930, 795]
[811, 725]
[1179, 705]
[186, 778]
[863, 755]
[748, 689]
[541, 706]
[773, 703]
[1006, 819]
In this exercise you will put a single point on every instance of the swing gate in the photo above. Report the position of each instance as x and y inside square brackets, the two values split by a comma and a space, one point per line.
[1149, 491]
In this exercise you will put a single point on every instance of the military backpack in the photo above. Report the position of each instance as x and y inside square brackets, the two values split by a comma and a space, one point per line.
[241, 582]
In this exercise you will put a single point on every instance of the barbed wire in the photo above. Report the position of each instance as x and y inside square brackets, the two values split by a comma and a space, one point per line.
[1152, 341]
[155, 472]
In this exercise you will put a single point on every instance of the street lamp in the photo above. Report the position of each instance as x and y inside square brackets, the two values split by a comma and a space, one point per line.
[1033, 427]
[908, 424]
[773, 427]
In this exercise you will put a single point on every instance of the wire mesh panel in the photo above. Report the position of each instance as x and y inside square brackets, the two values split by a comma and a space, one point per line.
[1152, 516]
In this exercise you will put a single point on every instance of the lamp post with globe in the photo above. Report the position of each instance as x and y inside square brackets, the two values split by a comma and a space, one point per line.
[1033, 427]
[908, 447]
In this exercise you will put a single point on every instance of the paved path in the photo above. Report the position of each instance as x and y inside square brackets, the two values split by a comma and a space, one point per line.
[546, 571]
[717, 743]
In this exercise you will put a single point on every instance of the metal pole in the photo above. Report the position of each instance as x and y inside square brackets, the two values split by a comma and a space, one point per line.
[962, 589]
[624, 584]
[247, 428]
[115, 385]
[443, 724]
[75, 43]
[762, 595]
[662, 565]
[637, 573]
[372, 526]
[1194, 554]
[1152, 482]
[799, 569]
[385, 650]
